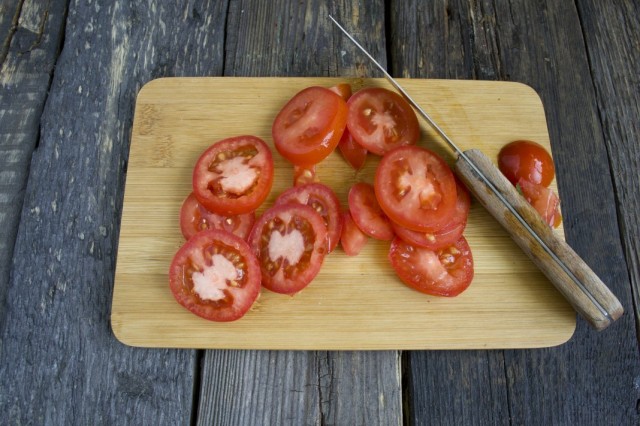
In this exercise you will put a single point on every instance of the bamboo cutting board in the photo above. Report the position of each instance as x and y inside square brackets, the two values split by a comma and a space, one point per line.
[355, 303]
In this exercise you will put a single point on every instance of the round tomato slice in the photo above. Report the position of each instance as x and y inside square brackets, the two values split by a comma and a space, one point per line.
[310, 125]
[367, 214]
[416, 188]
[290, 241]
[449, 234]
[444, 272]
[526, 160]
[195, 218]
[324, 201]
[215, 275]
[234, 176]
[381, 120]
[352, 239]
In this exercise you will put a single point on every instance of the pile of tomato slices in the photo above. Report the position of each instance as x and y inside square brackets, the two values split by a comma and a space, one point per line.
[415, 202]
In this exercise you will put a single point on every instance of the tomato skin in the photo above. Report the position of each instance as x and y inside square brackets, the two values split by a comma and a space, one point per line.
[353, 152]
[195, 218]
[381, 120]
[444, 272]
[544, 200]
[324, 201]
[367, 214]
[277, 233]
[446, 236]
[187, 262]
[215, 175]
[308, 128]
[528, 160]
[352, 239]
[416, 188]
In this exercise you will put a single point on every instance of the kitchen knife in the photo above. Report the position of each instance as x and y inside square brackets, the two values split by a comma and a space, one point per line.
[555, 258]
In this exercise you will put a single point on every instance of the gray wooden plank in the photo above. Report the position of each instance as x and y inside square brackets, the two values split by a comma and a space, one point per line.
[590, 379]
[32, 35]
[614, 57]
[59, 361]
[299, 387]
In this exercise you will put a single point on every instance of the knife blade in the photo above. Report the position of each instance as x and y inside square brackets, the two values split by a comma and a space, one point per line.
[555, 258]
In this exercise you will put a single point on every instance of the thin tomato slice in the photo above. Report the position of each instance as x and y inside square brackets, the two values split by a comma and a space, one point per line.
[195, 218]
[353, 152]
[323, 200]
[416, 188]
[367, 214]
[309, 126]
[444, 272]
[381, 120]
[449, 234]
[290, 241]
[234, 176]
[544, 200]
[215, 275]
[352, 239]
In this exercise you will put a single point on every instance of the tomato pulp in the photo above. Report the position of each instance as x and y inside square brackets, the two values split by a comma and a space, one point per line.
[381, 120]
[290, 242]
[215, 275]
[310, 125]
[195, 218]
[234, 175]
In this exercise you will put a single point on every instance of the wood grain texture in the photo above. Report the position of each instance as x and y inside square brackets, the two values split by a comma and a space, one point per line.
[296, 39]
[590, 379]
[59, 361]
[174, 121]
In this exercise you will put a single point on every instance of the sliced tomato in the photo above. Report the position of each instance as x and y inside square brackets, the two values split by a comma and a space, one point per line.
[324, 201]
[195, 218]
[234, 176]
[526, 160]
[544, 200]
[444, 272]
[449, 234]
[215, 275]
[416, 188]
[304, 175]
[342, 89]
[352, 239]
[309, 126]
[367, 214]
[381, 120]
[290, 241]
[353, 152]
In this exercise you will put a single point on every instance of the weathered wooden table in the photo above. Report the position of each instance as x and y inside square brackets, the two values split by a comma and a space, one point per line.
[70, 73]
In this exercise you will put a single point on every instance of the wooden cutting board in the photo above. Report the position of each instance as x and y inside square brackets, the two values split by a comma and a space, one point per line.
[355, 303]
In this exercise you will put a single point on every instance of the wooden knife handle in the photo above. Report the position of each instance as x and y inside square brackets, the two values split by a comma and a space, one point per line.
[591, 298]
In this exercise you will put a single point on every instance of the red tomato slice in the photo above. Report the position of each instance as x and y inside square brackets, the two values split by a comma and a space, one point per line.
[446, 236]
[234, 176]
[195, 218]
[352, 239]
[416, 188]
[381, 120]
[353, 152]
[342, 89]
[215, 275]
[444, 272]
[324, 201]
[309, 126]
[304, 175]
[290, 241]
[526, 160]
[544, 200]
[367, 214]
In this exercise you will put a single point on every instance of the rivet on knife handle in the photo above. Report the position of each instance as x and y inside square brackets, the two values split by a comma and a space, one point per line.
[564, 268]
[569, 273]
